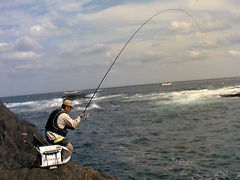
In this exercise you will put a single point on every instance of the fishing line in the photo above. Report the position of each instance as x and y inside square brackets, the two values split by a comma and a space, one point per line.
[120, 52]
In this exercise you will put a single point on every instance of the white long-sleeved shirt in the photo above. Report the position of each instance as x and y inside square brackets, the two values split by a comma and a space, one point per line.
[63, 120]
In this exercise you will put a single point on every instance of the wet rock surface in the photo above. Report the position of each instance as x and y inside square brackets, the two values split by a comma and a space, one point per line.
[231, 95]
[18, 157]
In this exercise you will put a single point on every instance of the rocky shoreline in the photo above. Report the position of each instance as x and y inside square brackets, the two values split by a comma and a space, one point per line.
[18, 157]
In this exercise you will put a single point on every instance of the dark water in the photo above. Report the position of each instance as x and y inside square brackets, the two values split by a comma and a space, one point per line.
[182, 131]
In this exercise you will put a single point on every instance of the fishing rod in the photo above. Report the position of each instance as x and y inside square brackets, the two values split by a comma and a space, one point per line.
[120, 52]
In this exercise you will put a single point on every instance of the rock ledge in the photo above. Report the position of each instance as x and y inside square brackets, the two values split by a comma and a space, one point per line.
[18, 160]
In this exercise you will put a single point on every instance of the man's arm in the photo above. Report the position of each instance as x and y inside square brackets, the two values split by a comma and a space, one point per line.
[65, 120]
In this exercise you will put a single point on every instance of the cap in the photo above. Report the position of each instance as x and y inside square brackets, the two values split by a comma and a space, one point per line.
[68, 102]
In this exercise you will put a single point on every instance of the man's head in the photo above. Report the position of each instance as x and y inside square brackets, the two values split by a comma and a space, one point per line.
[67, 105]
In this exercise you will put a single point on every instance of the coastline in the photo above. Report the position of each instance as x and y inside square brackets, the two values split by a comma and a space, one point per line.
[18, 159]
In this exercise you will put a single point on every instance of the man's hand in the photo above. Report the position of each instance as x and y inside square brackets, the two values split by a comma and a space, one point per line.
[84, 115]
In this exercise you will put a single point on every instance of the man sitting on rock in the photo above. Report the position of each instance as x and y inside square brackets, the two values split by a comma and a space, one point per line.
[58, 123]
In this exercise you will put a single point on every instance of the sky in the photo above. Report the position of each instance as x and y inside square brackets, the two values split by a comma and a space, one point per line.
[52, 46]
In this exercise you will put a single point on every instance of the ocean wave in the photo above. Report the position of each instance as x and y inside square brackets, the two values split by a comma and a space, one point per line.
[183, 97]
[16, 105]
[35, 105]
[43, 105]
[92, 106]
[108, 97]
[158, 98]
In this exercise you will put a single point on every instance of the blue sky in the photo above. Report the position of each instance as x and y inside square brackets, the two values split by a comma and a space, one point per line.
[53, 46]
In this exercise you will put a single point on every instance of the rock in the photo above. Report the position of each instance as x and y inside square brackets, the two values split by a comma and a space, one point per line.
[18, 157]
[231, 95]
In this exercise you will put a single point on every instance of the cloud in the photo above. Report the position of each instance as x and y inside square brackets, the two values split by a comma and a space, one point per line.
[213, 6]
[73, 6]
[70, 35]
[23, 48]
[181, 25]
[233, 38]
[216, 25]
[26, 44]
[20, 55]
[193, 54]
[95, 50]
[36, 30]
[116, 15]
[44, 27]
[3, 47]
[234, 53]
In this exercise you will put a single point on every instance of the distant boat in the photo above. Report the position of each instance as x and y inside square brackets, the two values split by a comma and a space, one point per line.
[74, 95]
[166, 84]
[70, 92]
[79, 94]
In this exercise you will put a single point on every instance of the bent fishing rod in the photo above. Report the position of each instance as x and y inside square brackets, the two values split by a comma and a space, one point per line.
[129, 40]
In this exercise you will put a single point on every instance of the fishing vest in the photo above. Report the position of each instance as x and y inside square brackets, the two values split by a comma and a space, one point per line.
[52, 123]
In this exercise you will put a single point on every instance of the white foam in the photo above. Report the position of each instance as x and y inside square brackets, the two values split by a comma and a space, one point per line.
[15, 105]
[143, 97]
[92, 106]
[44, 105]
[177, 97]
[108, 97]
[90, 95]
[183, 97]
[35, 105]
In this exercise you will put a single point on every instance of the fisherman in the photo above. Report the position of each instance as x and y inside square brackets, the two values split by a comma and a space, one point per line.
[58, 123]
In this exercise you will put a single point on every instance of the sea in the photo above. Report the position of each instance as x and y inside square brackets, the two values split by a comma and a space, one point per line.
[185, 130]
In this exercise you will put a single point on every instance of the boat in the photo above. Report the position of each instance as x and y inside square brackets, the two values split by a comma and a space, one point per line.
[166, 84]
[70, 92]
[79, 94]
[72, 95]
